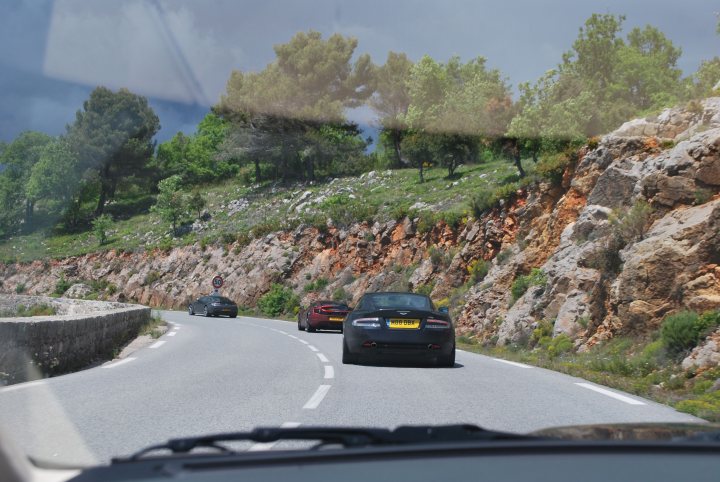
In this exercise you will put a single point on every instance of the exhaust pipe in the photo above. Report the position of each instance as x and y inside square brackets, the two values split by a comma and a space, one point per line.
[373, 345]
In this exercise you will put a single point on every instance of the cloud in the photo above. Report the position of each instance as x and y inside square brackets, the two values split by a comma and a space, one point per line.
[146, 47]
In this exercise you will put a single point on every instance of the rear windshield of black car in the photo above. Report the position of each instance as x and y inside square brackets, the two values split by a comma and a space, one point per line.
[222, 299]
[381, 301]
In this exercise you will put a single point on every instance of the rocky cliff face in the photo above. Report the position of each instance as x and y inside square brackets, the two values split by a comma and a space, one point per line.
[647, 197]
[631, 234]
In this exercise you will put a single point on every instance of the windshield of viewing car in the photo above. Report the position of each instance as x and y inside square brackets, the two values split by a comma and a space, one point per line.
[185, 184]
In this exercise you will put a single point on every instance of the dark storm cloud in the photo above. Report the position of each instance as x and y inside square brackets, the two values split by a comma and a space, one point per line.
[179, 53]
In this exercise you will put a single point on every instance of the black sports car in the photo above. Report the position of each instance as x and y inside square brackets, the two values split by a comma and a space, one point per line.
[399, 325]
[213, 305]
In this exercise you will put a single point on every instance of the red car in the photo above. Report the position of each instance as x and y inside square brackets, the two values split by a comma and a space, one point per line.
[323, 315]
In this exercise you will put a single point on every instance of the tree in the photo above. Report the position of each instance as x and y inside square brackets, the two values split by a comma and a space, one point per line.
[705, 82]
[197, 202]
[112, 136]
[276, 113]
[171, 202]
[101, 225]
[195, 157]
[453, 107]
[19, 157]
[55, 178]
[391, 101]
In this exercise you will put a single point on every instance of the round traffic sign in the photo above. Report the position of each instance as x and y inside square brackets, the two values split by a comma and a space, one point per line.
[217, 282]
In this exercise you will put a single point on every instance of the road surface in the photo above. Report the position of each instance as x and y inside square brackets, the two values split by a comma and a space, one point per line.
[217, 375]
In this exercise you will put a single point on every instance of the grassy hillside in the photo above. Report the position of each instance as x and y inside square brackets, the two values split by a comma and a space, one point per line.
[260, 209]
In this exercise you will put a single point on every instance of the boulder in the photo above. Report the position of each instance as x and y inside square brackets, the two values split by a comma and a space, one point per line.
[78, 291]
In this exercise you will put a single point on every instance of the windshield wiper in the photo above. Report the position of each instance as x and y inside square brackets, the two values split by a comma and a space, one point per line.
[344, 436]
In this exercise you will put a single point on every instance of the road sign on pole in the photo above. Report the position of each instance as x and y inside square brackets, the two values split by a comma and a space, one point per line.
[217, 282]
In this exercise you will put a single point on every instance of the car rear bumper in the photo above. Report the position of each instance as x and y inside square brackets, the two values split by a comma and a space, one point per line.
[222, 311]
[401, 343]
[325, 324]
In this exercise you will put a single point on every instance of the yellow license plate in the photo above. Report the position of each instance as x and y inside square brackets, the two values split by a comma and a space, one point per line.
[336, 318]
[404, 324]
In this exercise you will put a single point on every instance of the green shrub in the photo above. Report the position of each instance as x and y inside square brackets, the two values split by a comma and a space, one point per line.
[503, 256]
[454, 219]
[481, 202]
[101, 225]
[279, 300]
[523, 282]
[682, 331]
[228, 238]
[478, 269]
[41, 309]
[61, 286]
[20, 288]
[552, 167]
[702, 196]
[151, 277]
[263, 229]
[559, 345]
[425, 289]
[706, 406]
[318, 285]
[506, 192]
[426, 222]
[340, 295]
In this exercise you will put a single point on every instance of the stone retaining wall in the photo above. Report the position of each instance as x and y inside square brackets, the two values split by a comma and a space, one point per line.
[83, 332]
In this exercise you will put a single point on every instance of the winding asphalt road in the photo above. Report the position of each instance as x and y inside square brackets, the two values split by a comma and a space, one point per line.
[217, 375]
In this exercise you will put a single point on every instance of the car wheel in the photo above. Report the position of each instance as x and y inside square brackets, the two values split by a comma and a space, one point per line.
[205, 312]
[190, 310]
[347, 357]
[300, 328]
[447, 361]
[233, 316]
[308, 327]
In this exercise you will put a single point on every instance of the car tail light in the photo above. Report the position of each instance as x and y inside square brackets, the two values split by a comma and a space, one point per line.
[366, 322]
[437, 324]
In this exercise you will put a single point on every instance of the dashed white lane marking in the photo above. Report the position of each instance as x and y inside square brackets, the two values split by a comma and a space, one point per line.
[157, 344]
[172, 333]
[515, 364]
[303, 341]
[283, 332]
[293, 336]
[20, 386]
[611, 394]
[268, 445]
[329, 371]
[118, 363]
[322, 357]
[317, 397]
[313, 348]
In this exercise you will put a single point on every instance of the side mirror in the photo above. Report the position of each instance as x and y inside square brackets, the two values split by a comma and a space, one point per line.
[444, 310]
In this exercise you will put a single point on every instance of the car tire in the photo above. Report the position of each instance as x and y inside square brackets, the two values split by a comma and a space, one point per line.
[191, 312]
[308, 328]
[300, 328]
[347, 357]
[447, 361]
[205, 312]
[233, 316]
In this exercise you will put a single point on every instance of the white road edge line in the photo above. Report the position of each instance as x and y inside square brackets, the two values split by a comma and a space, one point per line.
[293, 336]
[515, 364]
[317, 397]
[322, 357]
[158, 344]
[329, 371]
[616, 396]
[313, 348]
[303, 341]
[283, 332]
[172, 333]
[117, 363]
[20, 386]
[268, 445]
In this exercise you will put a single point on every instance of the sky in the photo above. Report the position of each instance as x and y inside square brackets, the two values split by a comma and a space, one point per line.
[179, 53]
